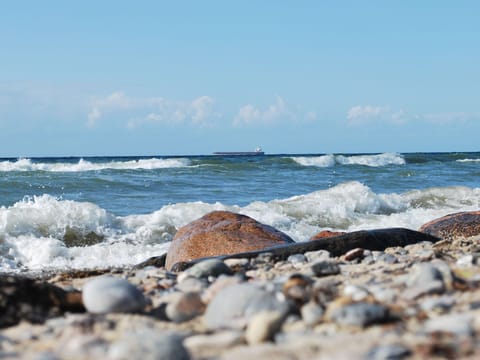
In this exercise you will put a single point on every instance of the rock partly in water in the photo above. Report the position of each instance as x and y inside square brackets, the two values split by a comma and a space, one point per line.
[107, 294]
[220, 233]
[462, 224]
[326, 233]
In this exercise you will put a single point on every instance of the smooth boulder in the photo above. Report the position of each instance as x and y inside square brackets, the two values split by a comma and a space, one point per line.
[222, 233]
[462, 224]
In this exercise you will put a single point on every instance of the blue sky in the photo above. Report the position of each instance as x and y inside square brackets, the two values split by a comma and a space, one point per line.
[192, 77]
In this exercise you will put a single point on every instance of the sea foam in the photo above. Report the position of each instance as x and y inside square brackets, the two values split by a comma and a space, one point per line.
[85, 165]
[32, 231]
[330, 160]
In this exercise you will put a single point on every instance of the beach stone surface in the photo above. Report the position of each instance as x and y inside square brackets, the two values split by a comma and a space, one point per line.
[462, 224]
[219, 233]
[422, 305]
[108, 294]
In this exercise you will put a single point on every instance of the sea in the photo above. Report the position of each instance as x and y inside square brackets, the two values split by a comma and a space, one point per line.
[67, 213]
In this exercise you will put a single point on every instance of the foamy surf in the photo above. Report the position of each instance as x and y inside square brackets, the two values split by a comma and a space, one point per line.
[34, 231]
[85, 165]
[330, 160]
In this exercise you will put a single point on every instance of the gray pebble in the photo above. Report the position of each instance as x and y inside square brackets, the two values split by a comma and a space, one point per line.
[108, 294]
[209, 267]
[359, 314]
[457, 324]
[312, 313]
[263, 326]
[184, 306]
[148, 344]
[233, 306]
[297, 259]
[325, 268]
[319, 255]
[389, 352]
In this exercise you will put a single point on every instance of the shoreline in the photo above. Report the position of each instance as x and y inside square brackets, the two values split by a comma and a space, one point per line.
[417, 301]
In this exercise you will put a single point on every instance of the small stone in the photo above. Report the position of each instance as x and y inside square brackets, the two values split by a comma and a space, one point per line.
[237, 263]
[356, 292]
[438, 304]
[466, 261]
[457, 324]
[297, 260]
[325, 268]
[206, 268]
[184, 307]
[312, 313]
[359, 314]
[388, 352]
[263, 326]
[233, 306]
[424, 279]
[192, 284]
[387, 258]
[147, 344]
[297, 288]
[108, 294]
[319, 255]
[354, 254]
[209, 345]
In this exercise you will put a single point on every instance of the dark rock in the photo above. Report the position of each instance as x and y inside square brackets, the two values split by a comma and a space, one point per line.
[35, 301]
[325, 268]
[220, 233]
[462, 224]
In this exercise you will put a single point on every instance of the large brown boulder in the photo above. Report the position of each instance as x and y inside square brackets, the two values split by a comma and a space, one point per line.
[325, 234]
[221, 233]
[462, 224]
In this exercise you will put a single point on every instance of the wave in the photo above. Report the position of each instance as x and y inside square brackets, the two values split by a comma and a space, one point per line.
[44, 232]
[330, 160]
[468, 160]
[25, 164]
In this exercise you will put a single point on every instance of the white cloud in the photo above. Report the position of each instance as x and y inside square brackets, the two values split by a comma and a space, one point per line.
[365, 113]
[199, 111]
[278, 111]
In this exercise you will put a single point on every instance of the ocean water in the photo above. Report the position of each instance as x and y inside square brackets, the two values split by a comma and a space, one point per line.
[77, 213]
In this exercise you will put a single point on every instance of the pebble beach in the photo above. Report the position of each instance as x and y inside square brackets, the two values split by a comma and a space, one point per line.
[414, 302]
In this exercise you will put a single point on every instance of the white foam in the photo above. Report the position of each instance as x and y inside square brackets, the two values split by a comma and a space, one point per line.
[32, 230]
[468, 160]
[378, 160]
[85, 165]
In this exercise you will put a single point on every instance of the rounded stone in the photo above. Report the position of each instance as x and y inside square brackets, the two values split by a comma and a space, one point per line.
[184, 307]
[359, 314]
[233, 306]
[107, 294]
[222, 233]
[462, 224]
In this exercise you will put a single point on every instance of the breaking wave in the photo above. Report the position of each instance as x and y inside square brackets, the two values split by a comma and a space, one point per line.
[45, 232]
[330, 160]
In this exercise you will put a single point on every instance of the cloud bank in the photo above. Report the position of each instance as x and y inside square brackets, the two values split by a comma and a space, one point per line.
[279, 110]
[199, 111]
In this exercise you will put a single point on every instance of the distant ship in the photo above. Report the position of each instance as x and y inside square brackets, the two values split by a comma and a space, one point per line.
[258, 151]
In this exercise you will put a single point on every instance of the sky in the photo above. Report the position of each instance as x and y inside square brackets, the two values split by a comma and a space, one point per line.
[118, 78]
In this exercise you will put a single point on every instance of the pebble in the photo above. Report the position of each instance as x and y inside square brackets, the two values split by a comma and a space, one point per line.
[207, 268]
[184, 306]
[263, 326]
[237, 263]
[297, 288]
[205, 346]
[233, 306]
[356, 292]
[466, 261]
[297, 260]
[437, 304]
[192, 284]
[425, 278]
[108, 294]
[319, 255]
[149, 345]
[359, 314]
[354, 254]
[457, 324]
[388, 352]
[312, 313]
[325, 268]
